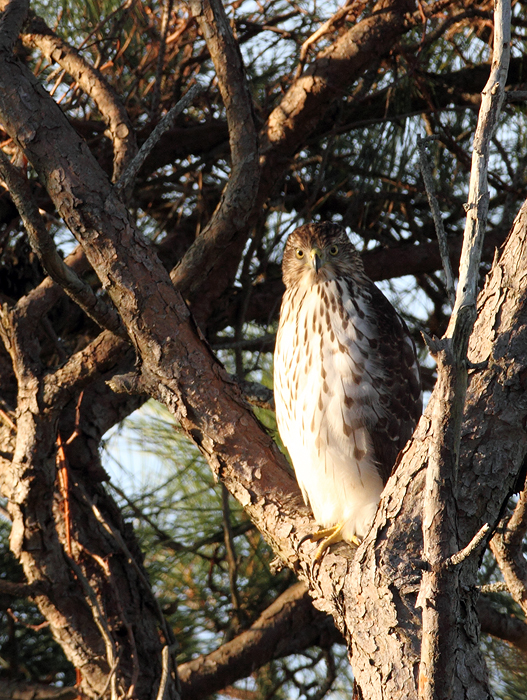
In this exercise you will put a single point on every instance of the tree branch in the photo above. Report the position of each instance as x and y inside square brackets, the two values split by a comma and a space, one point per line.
[507, 547]
[13, 690]
[43, 245]
[288, 626]
[439, 591]
[436, 214]
[450, 91]
[22, 590]
[127, 177]
[226, 232]
[81, 368]
[327, 79]
[14, 13]
[93, 83]
[502, 626]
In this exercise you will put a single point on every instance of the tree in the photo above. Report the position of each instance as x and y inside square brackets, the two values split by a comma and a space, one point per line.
[177, 257]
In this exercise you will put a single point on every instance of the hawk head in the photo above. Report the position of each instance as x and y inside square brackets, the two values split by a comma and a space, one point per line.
[319, 252]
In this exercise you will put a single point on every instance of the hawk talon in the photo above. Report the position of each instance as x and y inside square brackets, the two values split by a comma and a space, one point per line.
[305, 538]
[330, 535]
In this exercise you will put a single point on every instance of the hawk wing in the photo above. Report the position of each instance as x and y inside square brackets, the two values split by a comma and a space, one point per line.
[400, 393]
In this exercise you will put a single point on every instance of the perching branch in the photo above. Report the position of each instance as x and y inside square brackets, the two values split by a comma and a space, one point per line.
[438, 595]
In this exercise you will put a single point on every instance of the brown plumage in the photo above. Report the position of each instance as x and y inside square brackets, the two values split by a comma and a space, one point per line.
[346, 380]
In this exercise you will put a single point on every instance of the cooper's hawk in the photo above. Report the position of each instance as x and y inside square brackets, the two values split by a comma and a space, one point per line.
[346, 381]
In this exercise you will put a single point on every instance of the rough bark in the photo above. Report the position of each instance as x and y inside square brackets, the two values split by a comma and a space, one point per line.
[372, 595]
[493, 450]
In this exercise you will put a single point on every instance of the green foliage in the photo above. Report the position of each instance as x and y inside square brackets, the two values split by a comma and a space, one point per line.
[508, 670]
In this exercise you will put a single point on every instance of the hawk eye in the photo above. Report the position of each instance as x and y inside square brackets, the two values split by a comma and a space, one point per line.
[334, 250]
[299, 253]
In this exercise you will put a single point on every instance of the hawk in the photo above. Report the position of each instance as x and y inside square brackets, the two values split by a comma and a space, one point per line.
[346, 381]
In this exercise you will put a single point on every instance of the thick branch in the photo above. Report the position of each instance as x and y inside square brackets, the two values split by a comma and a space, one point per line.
[288, 626]
[172, 352]
[14, 12]
[81, 369]
[227, 231]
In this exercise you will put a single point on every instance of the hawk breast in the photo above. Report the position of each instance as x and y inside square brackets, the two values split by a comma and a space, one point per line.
[327, 374]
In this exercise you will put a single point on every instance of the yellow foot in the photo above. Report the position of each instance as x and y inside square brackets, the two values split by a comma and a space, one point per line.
[331, 535]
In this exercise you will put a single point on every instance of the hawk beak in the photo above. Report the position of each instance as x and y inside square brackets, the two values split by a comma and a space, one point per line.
[316, 259]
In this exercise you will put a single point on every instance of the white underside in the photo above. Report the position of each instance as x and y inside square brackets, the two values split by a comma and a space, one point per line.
[338, 490]
[336, 471]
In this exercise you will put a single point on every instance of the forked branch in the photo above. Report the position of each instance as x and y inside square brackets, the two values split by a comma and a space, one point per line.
[93, 83]
[226, 232]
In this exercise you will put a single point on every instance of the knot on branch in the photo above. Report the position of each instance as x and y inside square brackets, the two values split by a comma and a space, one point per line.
[130, 383]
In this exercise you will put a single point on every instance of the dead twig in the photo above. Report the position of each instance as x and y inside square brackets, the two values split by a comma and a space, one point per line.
[436, 215]
[128, 176]
[62, 467]
[164, 673]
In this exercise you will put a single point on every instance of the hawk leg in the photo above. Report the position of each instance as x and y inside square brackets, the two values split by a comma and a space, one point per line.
[331, 535]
